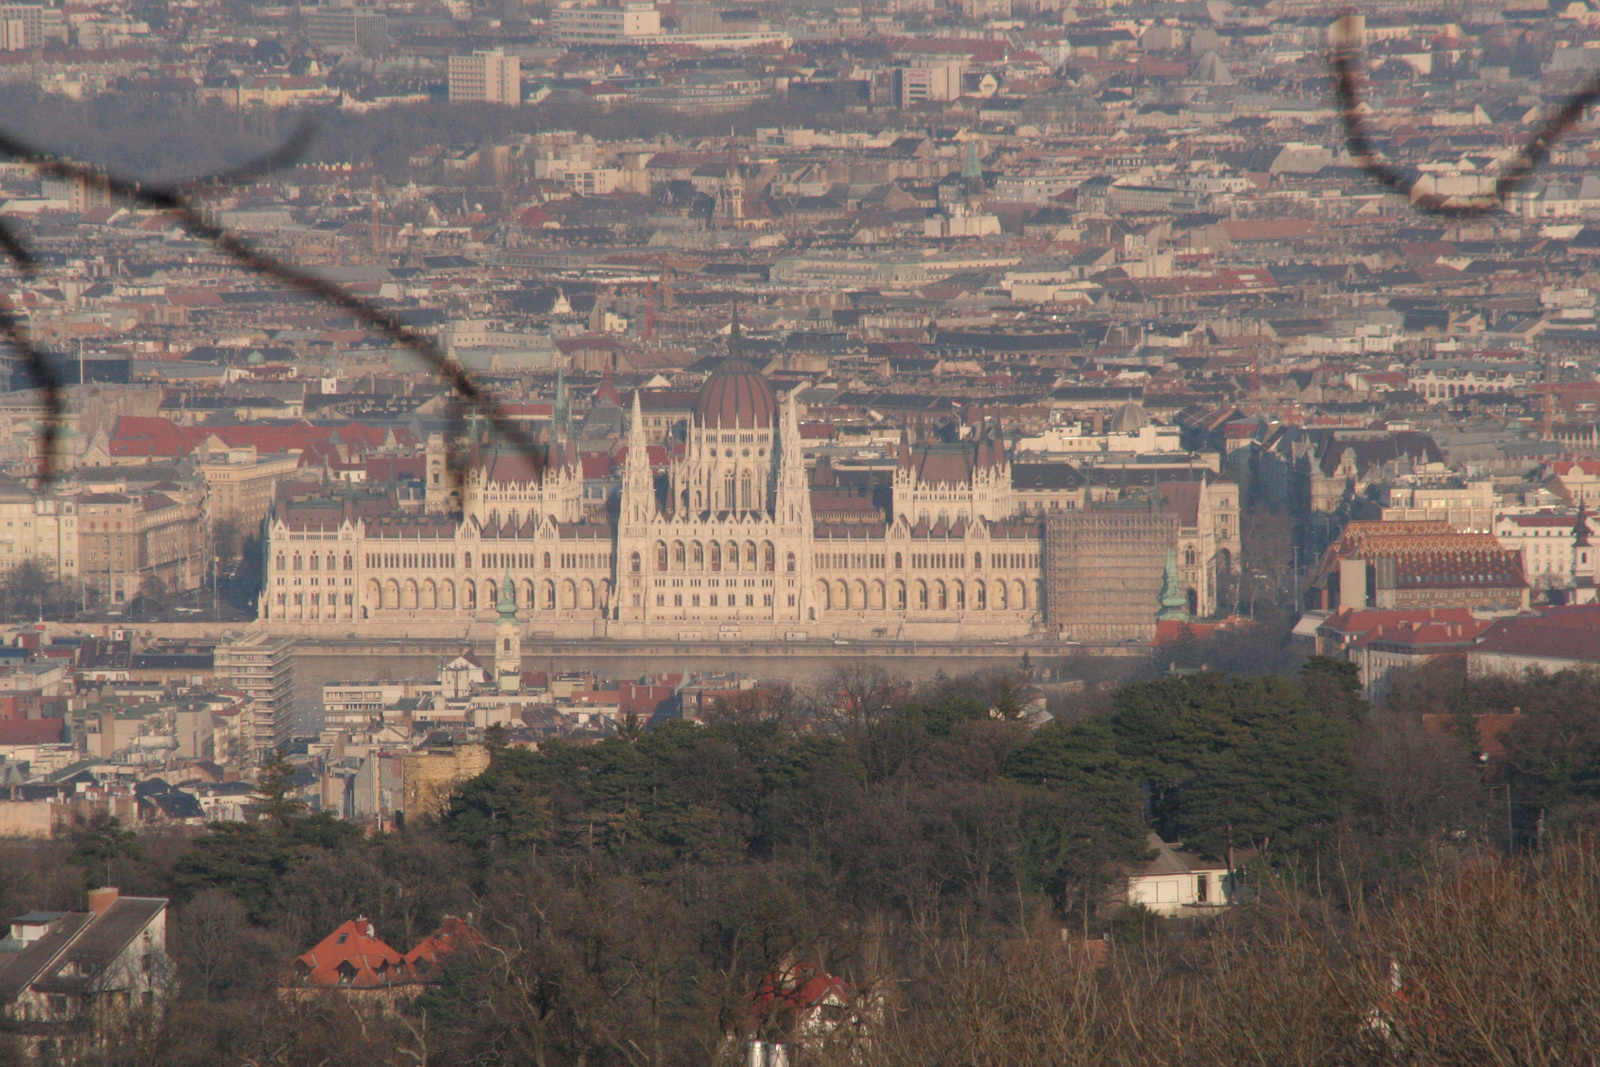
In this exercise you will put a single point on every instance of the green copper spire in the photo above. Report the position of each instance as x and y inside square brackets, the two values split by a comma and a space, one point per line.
[562, 415]
[1174, 605]
[971, 167]
[507, 607]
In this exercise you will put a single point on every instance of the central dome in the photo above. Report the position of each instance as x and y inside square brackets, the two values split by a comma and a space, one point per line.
[736, 397]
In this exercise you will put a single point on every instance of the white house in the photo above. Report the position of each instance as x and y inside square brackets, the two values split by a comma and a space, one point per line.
[71, 983]
[1179, 883]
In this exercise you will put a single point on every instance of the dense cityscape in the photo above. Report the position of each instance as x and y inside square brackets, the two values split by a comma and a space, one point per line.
[936, 530]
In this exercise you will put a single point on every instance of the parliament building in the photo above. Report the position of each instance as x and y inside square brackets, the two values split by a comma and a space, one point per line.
[724, 545]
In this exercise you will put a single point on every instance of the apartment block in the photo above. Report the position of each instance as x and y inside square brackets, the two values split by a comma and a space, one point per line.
[30, 26]
[241, 483]
[354, 29]
[631, 22]
[261, 667]
[486, 77]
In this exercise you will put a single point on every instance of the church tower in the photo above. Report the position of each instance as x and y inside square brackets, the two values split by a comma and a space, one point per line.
[442, 491]
[1174, 605]
[793, 490]
[508, 639]
[1584, 563]
[637, 513]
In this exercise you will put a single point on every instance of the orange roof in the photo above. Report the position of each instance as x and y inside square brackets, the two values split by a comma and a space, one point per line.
[350, 956]
[453, 935]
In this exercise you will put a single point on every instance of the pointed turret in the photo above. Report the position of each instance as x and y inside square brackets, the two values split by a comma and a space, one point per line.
[972, 166]
[507, 604]
[608, 391]
[794, 489]
[508, 638]
[1585, 561]
[561, 413]
[638, 485]
[1174, 605]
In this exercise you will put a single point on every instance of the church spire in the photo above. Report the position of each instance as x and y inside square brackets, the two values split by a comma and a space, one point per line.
[561, 415]
[1174, 605]
[794, 491]
[638, 485]
[735, 334]
[508, 638]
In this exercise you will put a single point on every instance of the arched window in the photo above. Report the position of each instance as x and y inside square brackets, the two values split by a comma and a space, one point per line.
[316, 562]
[547, 561]
[746, 498]
[899, 596]
[977, 561]
[677, 555]
[788, 563]
[697, 554]
[1188, 556]
[727, 492]
[661, 555]
[280, 561]
[468, 559]
[350, 562]
[922, 596]
[716, 555]
[899, 563]
[769, 557]
[750, 555]
[636, 563]
[297, 561]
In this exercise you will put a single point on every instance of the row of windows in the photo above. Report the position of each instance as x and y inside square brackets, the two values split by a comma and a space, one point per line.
[316, 599]
[714, 583]
[409, 560]
[727, 600]
[850, 560]
[1000, 593]
[713, 556]
[922, 560]
[299, 563]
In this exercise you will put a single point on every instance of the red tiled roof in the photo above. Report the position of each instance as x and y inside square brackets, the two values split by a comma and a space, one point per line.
[453, 935]
[350, 956]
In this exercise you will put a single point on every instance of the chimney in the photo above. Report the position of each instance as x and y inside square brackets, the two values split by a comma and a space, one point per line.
[101, 899]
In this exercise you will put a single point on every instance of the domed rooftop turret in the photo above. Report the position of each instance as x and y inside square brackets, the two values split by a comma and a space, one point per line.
[736, 397]
[1130, 418]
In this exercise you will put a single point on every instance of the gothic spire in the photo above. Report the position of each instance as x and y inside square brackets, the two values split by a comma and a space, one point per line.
[1174, 605]
[507, 606]
[638, 486]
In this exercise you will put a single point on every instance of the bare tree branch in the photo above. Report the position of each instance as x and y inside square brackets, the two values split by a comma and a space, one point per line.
[1346, 38]
[174, 201]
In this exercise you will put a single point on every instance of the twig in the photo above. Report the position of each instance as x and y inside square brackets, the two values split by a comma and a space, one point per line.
[177, 203]
[1345, 39]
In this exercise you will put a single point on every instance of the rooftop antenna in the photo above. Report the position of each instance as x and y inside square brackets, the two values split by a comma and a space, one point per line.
[377, 234]
[1549, 401]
